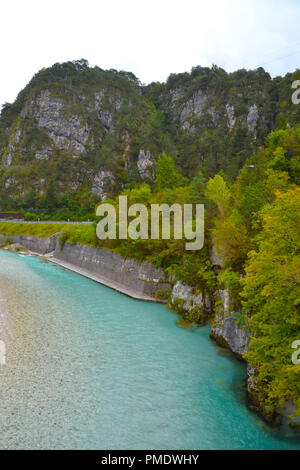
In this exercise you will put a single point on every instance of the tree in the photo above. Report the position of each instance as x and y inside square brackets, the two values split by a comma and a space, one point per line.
[31, 199]
[51, 200]
[272, 300]
[197, 188]
[166, 174]
[218, 192]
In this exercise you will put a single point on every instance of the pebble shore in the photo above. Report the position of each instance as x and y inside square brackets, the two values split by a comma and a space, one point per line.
[4, 330]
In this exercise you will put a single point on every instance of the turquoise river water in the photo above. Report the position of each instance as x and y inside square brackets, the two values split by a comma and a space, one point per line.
[89, 368]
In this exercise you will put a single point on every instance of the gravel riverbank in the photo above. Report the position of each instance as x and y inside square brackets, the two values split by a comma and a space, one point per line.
[3, 316]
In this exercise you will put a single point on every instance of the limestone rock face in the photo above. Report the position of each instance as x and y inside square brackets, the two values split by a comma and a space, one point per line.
[7, 158]
[214, 114]
[175, 95]
[101, 182]
[67, 134]
[104, 118]
[78, 126]
[252, 120]
[145, 165]
[193, 107]
[225, 329]
[43, 154]
[9, 182]
[251, 381]
[230, 116]
[12, 147]
[183, 298]
[199, 102]
[287, 413]
[105, 105]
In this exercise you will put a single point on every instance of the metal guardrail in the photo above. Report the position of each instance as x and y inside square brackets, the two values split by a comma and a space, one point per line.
[18, 221]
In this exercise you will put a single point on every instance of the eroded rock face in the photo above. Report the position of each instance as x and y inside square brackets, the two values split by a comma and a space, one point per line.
[225, 329]
[43, 154]
[67, 134]
[102, 101]
[231, 119]
[252, 120]
[8, 158]
[175, 96]
[12, 147]
[251, 381]
[199, 101]
[287, 413]
[145, 165]
[35, 244]
[194, 107]
[67, 131]
[140, 278]
[101, 181]
[214, 115]
[185, 300]
[10, 182]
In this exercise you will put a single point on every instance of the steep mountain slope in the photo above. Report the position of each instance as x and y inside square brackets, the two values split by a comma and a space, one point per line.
[90, 132]
[79, 127]
[217, 119]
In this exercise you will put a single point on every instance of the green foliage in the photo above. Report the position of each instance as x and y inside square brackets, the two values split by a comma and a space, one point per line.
[163, 294]
[230, 280]
[218, 192]
[197, 188]
[167, 177]
[140, 194]
[271, 299]
[64, 236]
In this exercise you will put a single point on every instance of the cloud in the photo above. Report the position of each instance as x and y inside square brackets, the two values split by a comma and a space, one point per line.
[150, 38]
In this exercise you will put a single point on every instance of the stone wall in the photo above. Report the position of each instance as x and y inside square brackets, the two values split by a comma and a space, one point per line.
[140, 277]
[37, 244]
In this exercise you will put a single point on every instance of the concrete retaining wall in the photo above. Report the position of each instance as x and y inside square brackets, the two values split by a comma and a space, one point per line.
[140, 277]
[37, 244]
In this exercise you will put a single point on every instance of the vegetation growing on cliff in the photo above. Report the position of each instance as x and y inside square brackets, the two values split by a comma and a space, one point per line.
[256, 230]
[272, 300]
[72, 122]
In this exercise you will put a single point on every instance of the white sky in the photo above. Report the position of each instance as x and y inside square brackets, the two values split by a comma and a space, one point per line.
[151, 38]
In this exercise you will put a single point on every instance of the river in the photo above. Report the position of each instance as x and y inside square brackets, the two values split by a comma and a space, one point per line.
[89, 368]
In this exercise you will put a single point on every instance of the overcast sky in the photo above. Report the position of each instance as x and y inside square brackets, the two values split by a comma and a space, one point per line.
[151, 38]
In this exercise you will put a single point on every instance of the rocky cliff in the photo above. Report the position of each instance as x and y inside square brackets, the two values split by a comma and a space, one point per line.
[226, 329]
[222, 117]
[90, 130]
[82, 128]
[194, 305]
